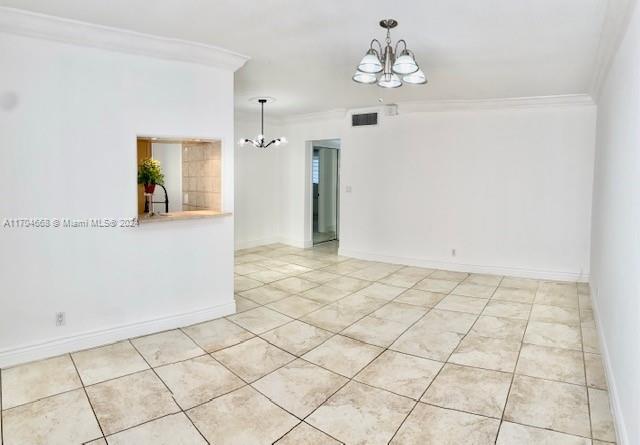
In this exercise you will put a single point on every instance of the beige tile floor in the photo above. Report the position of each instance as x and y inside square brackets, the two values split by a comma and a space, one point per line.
[328, 350]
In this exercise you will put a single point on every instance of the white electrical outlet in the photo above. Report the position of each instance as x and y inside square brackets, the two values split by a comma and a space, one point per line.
[61, 319]
[348, 189]
[453, 252]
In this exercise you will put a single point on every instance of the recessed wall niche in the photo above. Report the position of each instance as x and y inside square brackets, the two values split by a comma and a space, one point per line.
[178, 177]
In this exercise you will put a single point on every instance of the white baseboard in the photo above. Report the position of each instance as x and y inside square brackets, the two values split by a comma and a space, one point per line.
[463, 267]
[63, 345]
[248, 244]
[278, 239]
[622, 437]
[303, 244]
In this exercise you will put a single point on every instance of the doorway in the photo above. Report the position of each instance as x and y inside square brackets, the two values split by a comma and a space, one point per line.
[325, 190]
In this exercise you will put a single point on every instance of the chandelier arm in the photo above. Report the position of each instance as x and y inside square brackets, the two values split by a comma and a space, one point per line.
[398, 43]
[379, 46]
[259, 142]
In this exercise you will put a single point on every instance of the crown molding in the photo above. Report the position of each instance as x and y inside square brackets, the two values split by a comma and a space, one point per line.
[29, 24]
[496, 104]
[452, 105]
[617, 15]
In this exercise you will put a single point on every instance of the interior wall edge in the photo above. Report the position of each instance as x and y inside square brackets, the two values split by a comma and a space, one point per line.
[304, 244]
[101, 337]
[622, 437]
[613, 31]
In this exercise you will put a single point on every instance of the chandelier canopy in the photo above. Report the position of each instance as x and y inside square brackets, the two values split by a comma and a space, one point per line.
[259, 142]
[388, 67]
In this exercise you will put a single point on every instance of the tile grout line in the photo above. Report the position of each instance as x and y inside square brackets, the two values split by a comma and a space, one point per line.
[84, 389]
[205, 353]
[140, 424]
[248, 383]
[385, 349]
[349, 379]
[149, 368]
[584, 364]
[440, 370]
[478, 316]
[340, 332]
[105, 380]
[585, 386]
[515, 366]
[168, 389]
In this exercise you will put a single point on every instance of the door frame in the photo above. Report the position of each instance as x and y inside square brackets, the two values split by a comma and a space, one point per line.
[309, 146]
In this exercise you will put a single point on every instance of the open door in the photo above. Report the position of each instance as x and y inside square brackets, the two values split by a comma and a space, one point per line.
[325, 179]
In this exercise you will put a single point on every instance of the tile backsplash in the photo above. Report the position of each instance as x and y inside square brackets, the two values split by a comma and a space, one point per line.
[201, 176]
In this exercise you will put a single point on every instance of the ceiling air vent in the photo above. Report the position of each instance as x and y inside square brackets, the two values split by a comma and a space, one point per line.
[358, 120]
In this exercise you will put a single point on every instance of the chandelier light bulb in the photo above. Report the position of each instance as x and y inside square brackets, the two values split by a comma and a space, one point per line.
[390, 81]
[370, 63]
[416, 78]
[405, 64]
[365, 78]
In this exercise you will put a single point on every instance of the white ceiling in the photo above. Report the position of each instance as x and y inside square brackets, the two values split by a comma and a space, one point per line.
[303, 53]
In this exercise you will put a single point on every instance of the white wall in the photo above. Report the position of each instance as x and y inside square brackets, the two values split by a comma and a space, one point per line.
[272, 185]
[258, 201]
[295, 161]
[69, 151]
[507, 187]
[170, 157]
[615, 255]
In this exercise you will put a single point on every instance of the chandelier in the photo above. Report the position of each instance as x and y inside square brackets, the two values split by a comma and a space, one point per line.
[259, 141]
[388, 67]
